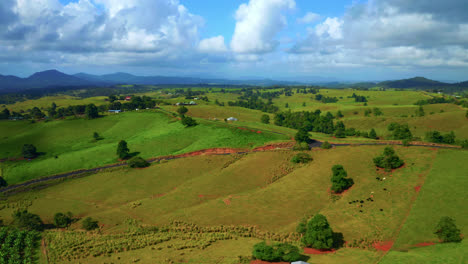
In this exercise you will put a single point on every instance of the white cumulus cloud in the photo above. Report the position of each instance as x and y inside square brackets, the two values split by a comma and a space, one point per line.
[258, 23]
[309, 18]
[213, 45]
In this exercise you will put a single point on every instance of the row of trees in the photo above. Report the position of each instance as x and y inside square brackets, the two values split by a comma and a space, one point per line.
[325, 99]
[28, 221]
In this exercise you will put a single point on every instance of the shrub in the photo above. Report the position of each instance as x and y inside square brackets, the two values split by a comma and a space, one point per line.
[276, 252]
[388, 160]
[373, 134]
[28, 221]
[326, 145]
[137, 162]
[339, 181]
[301, 146]
[301, 158]
[302, 226]
[265, 119]
[319, 234]
[188, 121]
[62, 220]
[29, 151]
[464, 144]
[89, 224]
[447, 231]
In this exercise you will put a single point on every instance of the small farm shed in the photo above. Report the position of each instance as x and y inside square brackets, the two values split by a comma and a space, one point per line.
[128, 98]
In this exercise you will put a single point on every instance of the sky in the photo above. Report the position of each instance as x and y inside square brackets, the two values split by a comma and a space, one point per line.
[303, 40]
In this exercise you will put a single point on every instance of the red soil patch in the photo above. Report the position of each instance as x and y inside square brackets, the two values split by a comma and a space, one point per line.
[274, 146]
[417, 188]
[227, 201]
[313, 251]
[383, 246]
[259, 132]
[266, 262]
[158, 195]
[424, 244]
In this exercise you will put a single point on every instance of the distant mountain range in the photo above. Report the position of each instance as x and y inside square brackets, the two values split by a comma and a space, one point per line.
[54, 78]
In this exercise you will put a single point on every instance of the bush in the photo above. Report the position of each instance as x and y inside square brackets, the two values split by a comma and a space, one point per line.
[301, 158]
[29, 151]
[137, 162]
[182, 110]
[406, 142]
[339, 181]
[373, 134]
[388, 160]
[28, 221]
[319, 234]
[89, 224]
[464, 144]
[188, 121]
[447, 231]
[265, 119]
[276, 252]
[326, 145]
[62, 220]
[301, 146]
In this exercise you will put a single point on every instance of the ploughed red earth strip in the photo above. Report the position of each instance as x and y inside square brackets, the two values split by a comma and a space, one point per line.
[417, 188]
[424, 244]
[313, 251]
[383, 246]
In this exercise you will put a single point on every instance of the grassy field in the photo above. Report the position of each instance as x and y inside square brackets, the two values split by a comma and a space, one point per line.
[443, 194]
[68, 144]
[252, 189]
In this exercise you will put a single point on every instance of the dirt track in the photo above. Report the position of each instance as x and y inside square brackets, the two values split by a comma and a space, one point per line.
[12, 189]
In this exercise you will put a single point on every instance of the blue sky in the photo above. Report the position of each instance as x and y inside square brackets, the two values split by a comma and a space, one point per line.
[280, 39]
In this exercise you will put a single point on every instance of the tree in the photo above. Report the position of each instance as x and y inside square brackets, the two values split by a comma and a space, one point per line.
[326, 145]
[276, 252]
[91, 111]
[28, 221]
[63, 220]
[339, 114]
[447, 231]
[96, 136]
[182, 110]
[388, 160]
[5, 114]
[319, 234]
[301, 228]
[373, 134]
[339, 179]
[420, 111]
[188, 121]
[122, 150]
[3, 183]
[340, 130]
[89, 224]
[301, 158]
[302, 136]
[137, 162]
[265, 119]
[29, 151]
[286, 105]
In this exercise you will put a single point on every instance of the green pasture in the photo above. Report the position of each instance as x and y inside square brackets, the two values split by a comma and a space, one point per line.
[68, 144]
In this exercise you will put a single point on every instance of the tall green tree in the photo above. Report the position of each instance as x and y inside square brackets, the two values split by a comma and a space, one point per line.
[339, 179]
[420, 111]
[373, 134]
[91, 111]
[122, 150]
[319, 234]
[187, 121]
[447, 231]
[63, 220]
[5, 114]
